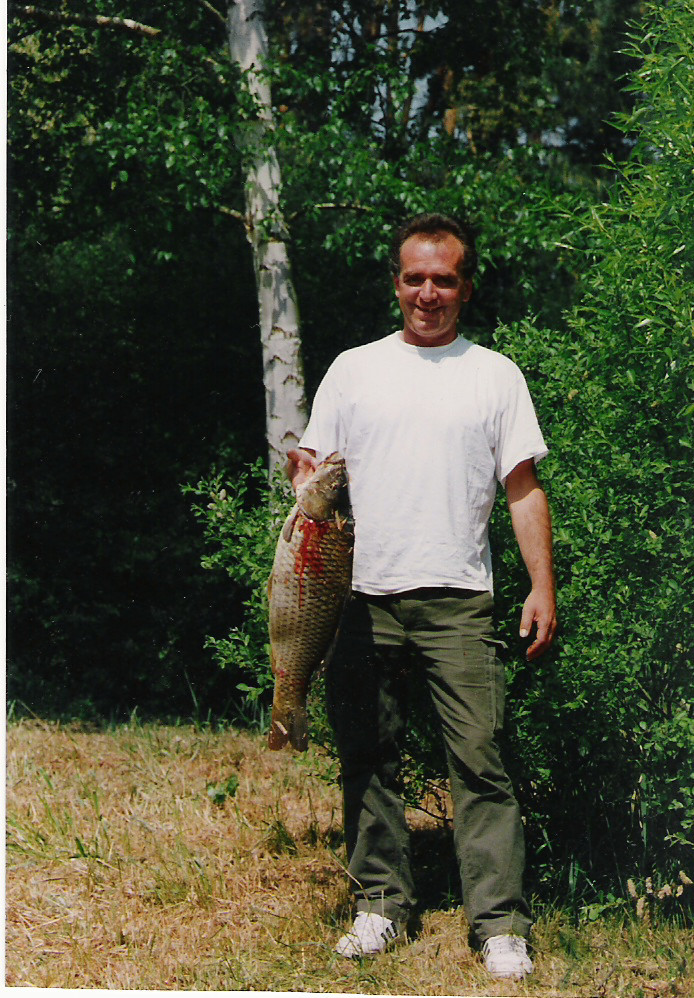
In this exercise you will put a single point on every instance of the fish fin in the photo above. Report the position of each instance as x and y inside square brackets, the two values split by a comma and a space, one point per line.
[343, 521]
[278, 737]
[289, 727]
[298, 735]
[288, 528]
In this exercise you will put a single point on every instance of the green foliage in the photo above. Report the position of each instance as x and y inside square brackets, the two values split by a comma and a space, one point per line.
[241, 522]
[494, 77]
[606, 725]
[219, 792]
[123, 378]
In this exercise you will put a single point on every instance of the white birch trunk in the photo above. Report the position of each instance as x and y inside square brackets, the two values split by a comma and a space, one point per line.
[283, 376]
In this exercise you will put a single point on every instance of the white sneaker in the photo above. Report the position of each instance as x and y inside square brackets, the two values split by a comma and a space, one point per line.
[507, 956]
[370, 934]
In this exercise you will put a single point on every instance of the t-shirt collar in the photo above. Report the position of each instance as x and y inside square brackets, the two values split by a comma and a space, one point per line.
[430, 352]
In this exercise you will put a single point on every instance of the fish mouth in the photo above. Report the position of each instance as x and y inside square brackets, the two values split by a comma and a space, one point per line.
[319, 497]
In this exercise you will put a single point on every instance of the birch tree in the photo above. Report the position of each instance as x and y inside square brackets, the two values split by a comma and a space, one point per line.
[283, 378]
[285, 399]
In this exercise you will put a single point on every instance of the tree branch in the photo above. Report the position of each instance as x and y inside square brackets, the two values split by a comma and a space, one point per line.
[125, 24]
[218, 209]
[231, 213]
[93, 21]
[215, 14]
[328, 207]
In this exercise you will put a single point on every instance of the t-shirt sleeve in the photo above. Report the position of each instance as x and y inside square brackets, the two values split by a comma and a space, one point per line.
[325, 431]
[519, 437]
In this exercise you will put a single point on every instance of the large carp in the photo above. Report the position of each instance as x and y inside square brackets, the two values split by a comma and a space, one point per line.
[309, 583]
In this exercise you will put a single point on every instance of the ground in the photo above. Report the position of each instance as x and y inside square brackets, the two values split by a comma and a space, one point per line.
[174, 857]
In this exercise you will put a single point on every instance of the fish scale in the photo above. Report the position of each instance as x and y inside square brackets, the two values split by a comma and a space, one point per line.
[310, 580]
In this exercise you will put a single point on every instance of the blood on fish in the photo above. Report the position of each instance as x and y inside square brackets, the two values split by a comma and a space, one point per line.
[309, 554]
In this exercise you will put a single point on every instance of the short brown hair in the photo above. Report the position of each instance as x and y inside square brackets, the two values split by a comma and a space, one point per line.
[434, 224]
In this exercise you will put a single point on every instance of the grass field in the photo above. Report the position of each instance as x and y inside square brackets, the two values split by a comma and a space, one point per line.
[155, 857]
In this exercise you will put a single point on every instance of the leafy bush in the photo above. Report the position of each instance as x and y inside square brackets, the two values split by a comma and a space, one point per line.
[241, 522]
[605, 725]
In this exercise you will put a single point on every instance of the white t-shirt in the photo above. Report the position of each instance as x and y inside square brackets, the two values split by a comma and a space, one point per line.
[426, 433]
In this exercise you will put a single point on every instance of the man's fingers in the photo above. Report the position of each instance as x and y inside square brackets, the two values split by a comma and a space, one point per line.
[300, 466]
[542, 641]
[302, 458]
[527, 618]
[538, 612]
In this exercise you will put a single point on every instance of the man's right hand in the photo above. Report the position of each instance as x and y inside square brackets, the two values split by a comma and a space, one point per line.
[300, 466]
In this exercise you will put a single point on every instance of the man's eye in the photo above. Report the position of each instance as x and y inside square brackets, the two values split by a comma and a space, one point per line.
[416, 281]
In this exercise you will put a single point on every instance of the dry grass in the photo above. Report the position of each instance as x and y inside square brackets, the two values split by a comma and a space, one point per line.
[124, 872]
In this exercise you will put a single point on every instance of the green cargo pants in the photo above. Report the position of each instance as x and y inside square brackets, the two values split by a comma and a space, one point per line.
[448, 633]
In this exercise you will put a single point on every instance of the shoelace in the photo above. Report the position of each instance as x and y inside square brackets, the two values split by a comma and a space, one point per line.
[387, 933]
[503, 942]
[502, 945]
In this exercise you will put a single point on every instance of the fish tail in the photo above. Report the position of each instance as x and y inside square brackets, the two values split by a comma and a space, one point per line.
[289, 726]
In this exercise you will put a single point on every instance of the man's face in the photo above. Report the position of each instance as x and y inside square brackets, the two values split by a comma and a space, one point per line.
[430, 289]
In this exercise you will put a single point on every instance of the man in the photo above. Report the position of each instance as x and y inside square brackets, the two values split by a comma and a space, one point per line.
[428, 423]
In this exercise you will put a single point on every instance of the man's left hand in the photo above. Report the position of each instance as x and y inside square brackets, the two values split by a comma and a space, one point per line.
[532, 525]
[539, 612]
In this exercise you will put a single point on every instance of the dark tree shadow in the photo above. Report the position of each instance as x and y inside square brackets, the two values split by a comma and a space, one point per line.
[435, 872]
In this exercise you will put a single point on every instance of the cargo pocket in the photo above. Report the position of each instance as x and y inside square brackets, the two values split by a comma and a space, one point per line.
[496, 674]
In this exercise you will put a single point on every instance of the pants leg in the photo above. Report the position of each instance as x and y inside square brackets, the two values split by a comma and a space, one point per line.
[454, 635]
[366, 691]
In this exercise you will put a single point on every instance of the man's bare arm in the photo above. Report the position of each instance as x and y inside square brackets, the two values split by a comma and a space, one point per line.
[532, 526]
[300, 466]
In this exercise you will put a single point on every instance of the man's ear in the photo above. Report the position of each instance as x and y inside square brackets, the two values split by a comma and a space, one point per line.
[466, 292]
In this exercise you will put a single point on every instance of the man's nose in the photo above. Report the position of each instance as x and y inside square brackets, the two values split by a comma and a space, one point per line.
[428, 289]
